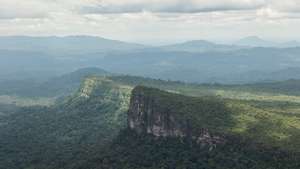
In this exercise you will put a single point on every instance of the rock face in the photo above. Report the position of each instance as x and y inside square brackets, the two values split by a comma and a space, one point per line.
[147, 114]
[144, 116]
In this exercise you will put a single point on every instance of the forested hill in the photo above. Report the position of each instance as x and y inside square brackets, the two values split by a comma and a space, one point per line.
[67, 134]
[83, 130]
[167, 130]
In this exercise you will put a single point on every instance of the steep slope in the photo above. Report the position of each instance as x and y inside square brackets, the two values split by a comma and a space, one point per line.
[167, 130]
[170, 115]
[66, 135]
[82, 131]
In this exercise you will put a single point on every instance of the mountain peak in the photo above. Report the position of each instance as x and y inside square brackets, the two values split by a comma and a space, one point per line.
[253, 38]
[254, 41]
[198, 42]
[200, 46]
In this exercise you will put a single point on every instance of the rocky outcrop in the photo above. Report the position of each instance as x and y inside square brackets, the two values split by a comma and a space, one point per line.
[149, 113]
[144, 116]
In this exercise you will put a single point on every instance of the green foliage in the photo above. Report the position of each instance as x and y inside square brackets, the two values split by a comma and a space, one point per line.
[76, 132]
[265, 117]
[64, 135]
[134, 151]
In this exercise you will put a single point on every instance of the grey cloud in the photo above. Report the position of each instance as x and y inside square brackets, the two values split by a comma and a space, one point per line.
[10, 9]
[172, 6]
[15, 15]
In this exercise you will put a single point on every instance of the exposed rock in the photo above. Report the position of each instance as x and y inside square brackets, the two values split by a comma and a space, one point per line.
[146, 115]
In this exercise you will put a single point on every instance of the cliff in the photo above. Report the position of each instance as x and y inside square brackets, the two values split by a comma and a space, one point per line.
[164, 114]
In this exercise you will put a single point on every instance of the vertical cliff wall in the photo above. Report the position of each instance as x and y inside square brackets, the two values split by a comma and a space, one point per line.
[146, 115]
[154, 112]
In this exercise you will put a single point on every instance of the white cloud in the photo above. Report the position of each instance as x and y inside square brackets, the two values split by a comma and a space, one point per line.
[151, 19]
[289, 6]
[10, 9]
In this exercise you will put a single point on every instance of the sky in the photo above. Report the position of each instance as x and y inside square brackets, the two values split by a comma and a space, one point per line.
[153, 21]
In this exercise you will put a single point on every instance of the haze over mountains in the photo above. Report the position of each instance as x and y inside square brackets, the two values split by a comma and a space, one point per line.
[67, 44]
[248, 60]
[254, 41]
[63, 104]
[94, 43]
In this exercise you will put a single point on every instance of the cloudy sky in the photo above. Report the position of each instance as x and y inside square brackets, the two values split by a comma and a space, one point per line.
[153, 21]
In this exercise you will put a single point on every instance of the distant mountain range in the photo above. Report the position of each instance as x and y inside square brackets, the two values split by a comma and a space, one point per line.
[200, 46]
[98, 44]
[248, 42]
[254, 41]
[193, 61]
[54, 44]
[54, 87]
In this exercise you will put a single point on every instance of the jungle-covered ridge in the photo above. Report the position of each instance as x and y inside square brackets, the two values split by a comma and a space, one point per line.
[78, 127]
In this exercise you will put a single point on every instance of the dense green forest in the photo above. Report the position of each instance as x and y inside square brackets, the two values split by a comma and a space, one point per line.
[135, 151]
[83, 130]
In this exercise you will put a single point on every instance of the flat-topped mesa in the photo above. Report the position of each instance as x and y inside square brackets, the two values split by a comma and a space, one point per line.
[165, 114]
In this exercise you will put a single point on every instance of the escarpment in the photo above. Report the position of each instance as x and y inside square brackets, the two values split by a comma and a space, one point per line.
[165, 114]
